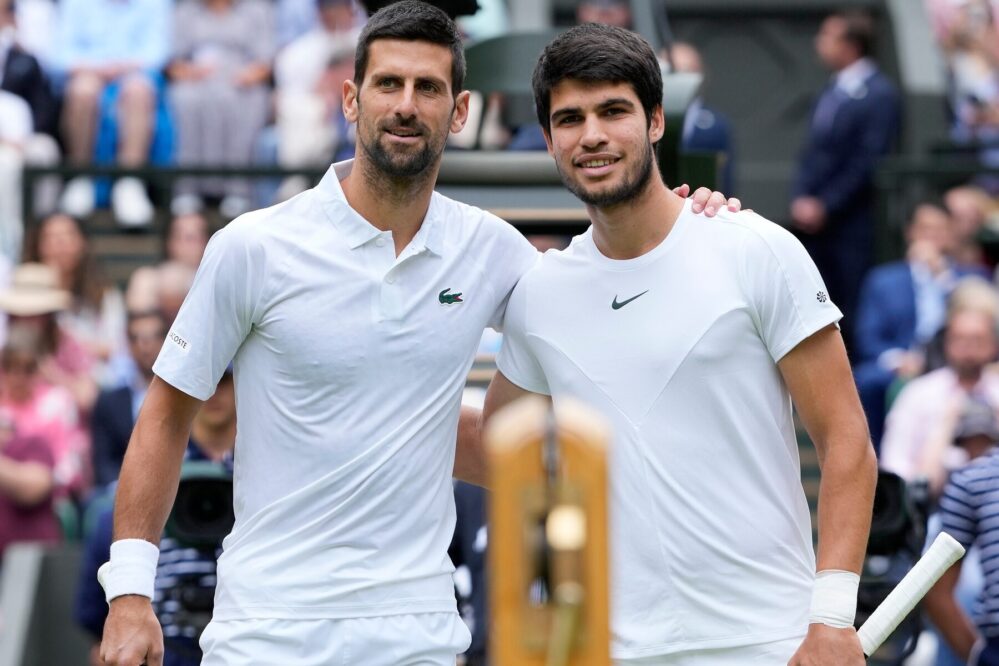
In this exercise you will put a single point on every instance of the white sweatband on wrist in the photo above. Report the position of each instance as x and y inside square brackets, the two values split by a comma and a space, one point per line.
[131, 570]
[834, 598]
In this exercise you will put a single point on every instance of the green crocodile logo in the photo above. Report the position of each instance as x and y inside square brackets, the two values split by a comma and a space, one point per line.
[449, 299]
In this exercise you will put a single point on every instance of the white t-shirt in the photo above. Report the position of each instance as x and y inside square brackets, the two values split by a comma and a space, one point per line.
[349, 365]
[710, 534]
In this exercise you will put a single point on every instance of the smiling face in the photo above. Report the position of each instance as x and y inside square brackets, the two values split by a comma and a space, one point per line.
[404, 107]
[602, 141]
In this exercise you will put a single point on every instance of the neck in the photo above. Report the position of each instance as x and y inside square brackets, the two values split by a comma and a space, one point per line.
[390, 204]
[214, 440]
[633, 228]
[968, 380]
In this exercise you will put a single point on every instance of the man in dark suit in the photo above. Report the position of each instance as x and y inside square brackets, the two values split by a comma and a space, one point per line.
[902, 307]
[854, 124]
[22, 75]
[116, 409]
[704, 129]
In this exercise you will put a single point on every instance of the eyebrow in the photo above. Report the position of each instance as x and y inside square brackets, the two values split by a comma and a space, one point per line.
[606, 104]
[381, 76]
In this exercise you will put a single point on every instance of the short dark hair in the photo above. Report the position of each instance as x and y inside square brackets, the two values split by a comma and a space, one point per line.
[137, 315]
[859, 30]
[412, 20]
[598, 53]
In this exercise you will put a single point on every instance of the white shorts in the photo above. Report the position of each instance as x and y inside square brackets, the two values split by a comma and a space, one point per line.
[425, 639]
[777, 653]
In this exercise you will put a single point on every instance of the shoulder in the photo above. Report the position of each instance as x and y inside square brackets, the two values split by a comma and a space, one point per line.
[890, 272]
[756, 235]
[463, 222]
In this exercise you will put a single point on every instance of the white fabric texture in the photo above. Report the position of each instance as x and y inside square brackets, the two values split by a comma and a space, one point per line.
[431, 639]
[349, 365]
[710, 538]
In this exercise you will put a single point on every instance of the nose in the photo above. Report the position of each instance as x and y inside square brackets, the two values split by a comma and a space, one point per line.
[593, 132]
[406, 102]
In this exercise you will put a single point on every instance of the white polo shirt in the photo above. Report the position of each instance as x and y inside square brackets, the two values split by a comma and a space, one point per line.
[349, 366]
[711, 542]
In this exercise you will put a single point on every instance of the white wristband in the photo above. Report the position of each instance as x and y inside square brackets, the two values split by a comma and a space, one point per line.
[132, 569]
[834, 598]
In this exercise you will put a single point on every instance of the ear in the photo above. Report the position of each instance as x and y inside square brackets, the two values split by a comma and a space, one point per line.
[460, 115]
[657, 124]
[548, 141]
[350, 101]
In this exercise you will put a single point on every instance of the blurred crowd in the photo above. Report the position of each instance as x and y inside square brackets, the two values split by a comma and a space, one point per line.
[219, 83]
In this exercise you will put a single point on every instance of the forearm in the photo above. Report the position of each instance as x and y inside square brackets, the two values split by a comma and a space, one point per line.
[470, 463]
[950, 620]
[846, 499]
[25, 483]
[151, 470]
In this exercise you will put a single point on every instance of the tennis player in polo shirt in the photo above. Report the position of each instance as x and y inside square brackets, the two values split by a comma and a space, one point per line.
[352, 314]
[691, 338]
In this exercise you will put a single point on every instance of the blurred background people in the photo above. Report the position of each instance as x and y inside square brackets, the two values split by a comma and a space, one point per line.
[26, 488]
[902, 307]
[854, 123]
[112, 53]
[220, 93]
[96, 315]
[43, 411]
[116, 409]
[970, 346]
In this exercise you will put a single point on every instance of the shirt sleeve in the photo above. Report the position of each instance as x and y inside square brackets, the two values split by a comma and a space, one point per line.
[516, 359]
[789, 299]
[515, 258]
[958, 510]
[217, 314]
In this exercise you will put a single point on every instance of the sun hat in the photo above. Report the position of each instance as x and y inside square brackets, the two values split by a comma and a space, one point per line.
[34, 290]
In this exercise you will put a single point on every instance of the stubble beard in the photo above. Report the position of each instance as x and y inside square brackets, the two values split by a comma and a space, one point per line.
[634, 184]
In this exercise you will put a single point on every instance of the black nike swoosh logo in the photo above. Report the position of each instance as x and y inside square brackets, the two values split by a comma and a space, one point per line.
[618, 306]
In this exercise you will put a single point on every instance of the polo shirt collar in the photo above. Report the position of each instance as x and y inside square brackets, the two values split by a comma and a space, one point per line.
[358, 231]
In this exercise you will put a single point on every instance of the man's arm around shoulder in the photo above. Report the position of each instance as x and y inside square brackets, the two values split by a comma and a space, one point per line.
[146, 491]
[817, 374]
[471, 461]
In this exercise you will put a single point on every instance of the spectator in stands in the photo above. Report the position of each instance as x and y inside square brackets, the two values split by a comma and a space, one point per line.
[37, 21]
[309, 75]
[967, 430]
[608, 12]
[33, 301]
[186, 239]
[968, 206]
[26, 488]
[42, 410]
[220, 76]
[116, 409]
[21, 75]
[901, 308]
[704, 129]
[96, 317]
[969, 505]
[162, 288]
[15, 132]
[113, 53]
[970, 345]
[213, 436]
[184, 244]
[294, 19]
[968, 32]
[853, 125]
